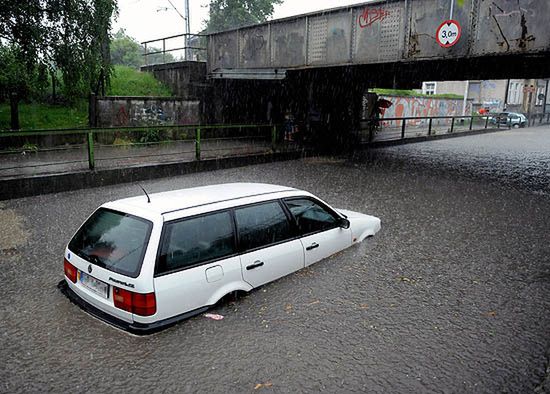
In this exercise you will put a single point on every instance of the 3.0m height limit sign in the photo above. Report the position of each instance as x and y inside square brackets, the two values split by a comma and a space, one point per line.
[448, 33]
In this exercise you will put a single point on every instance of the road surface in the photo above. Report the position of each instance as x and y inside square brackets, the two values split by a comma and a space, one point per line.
[453, 295]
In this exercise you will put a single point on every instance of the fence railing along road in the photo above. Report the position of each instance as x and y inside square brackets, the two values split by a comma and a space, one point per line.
[42, 152]
[391, 129]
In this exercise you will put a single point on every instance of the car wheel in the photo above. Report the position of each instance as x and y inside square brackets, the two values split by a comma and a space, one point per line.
[515, 125]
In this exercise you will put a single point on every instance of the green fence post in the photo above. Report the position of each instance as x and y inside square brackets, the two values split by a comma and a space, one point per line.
[273, 137]
[198, 145]
[91, 161]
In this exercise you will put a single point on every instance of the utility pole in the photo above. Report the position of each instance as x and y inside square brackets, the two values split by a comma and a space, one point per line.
[465, 99]
[187, 31]
[506, 94]
[545, 98]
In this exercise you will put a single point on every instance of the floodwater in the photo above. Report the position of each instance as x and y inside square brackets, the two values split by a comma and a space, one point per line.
[453, 295]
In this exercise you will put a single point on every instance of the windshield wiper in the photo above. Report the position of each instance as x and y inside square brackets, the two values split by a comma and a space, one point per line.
[97, 261]
[92, 259]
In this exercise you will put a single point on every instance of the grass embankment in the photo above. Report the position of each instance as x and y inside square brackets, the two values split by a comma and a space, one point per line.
[46, 116]
[125, 82]
[413, 93]
[129, 82]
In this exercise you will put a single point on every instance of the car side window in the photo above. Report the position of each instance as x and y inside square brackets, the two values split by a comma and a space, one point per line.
[192, 241]
[262, 225]
[310, 216]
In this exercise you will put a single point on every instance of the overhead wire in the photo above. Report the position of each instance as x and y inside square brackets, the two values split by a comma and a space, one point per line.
[175, 9]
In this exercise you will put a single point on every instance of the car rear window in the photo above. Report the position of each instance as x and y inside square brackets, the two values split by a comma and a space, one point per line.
[113, 240]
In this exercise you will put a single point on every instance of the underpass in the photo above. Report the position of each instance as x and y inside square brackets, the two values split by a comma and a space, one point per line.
[319, 68]
[452, 295]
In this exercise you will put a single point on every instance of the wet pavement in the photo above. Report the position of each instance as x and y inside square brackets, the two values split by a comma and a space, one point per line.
[518, 158]
[453, 295]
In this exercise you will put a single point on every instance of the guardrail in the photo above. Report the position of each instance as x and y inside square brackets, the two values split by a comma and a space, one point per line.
[61, 150]
[192, 48]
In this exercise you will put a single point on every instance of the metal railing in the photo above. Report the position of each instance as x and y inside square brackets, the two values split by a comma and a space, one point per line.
[35, 152]
[180, 47]
[39, 152]
[542, 118]
[389, 129]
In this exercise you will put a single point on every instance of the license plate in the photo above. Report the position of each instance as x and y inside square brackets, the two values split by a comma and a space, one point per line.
[95, 285]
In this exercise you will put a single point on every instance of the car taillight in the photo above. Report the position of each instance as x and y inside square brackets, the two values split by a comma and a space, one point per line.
[140, 304]
[70, 270]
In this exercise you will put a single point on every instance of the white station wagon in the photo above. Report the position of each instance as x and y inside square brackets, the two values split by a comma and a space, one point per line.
[146, 262]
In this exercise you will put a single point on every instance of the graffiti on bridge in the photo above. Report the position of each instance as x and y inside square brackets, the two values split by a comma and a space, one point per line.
[423, 107]
[371, 15]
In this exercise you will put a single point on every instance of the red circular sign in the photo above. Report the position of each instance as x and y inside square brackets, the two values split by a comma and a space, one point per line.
[448, 33]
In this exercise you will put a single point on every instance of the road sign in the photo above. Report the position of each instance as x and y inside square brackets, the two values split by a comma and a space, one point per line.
[448, 33]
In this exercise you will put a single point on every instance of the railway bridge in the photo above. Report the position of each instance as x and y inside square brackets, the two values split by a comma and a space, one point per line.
[398, 35]
[317, 67]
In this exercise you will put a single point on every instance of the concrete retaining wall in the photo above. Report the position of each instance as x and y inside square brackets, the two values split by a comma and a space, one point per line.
[115, 111]
[185, 79]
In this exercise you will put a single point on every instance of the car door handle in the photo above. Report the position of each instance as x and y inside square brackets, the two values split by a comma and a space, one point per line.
[312, 246]
[255, 265]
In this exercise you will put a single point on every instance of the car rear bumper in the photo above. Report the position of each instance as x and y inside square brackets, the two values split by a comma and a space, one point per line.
[133, 328]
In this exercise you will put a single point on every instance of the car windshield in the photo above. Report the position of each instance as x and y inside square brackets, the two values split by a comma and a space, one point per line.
[113, 240]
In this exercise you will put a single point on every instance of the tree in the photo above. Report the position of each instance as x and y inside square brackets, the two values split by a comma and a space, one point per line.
[17, 79]
[126, 51]
[69, 36]
[79, 45]
[230, 14]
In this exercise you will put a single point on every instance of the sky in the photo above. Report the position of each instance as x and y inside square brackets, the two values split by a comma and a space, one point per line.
[151, 19]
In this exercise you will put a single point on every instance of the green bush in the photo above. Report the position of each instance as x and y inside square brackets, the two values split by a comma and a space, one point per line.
[151, 136]
[413, 93]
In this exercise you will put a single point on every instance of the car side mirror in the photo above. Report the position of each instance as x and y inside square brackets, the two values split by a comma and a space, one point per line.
[343, 223]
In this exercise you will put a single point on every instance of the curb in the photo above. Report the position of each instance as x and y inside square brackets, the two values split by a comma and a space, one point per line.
[37, 185]
[424, 138]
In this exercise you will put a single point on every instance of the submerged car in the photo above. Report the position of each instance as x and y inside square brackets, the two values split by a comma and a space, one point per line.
[146, 262]
[509, 119]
